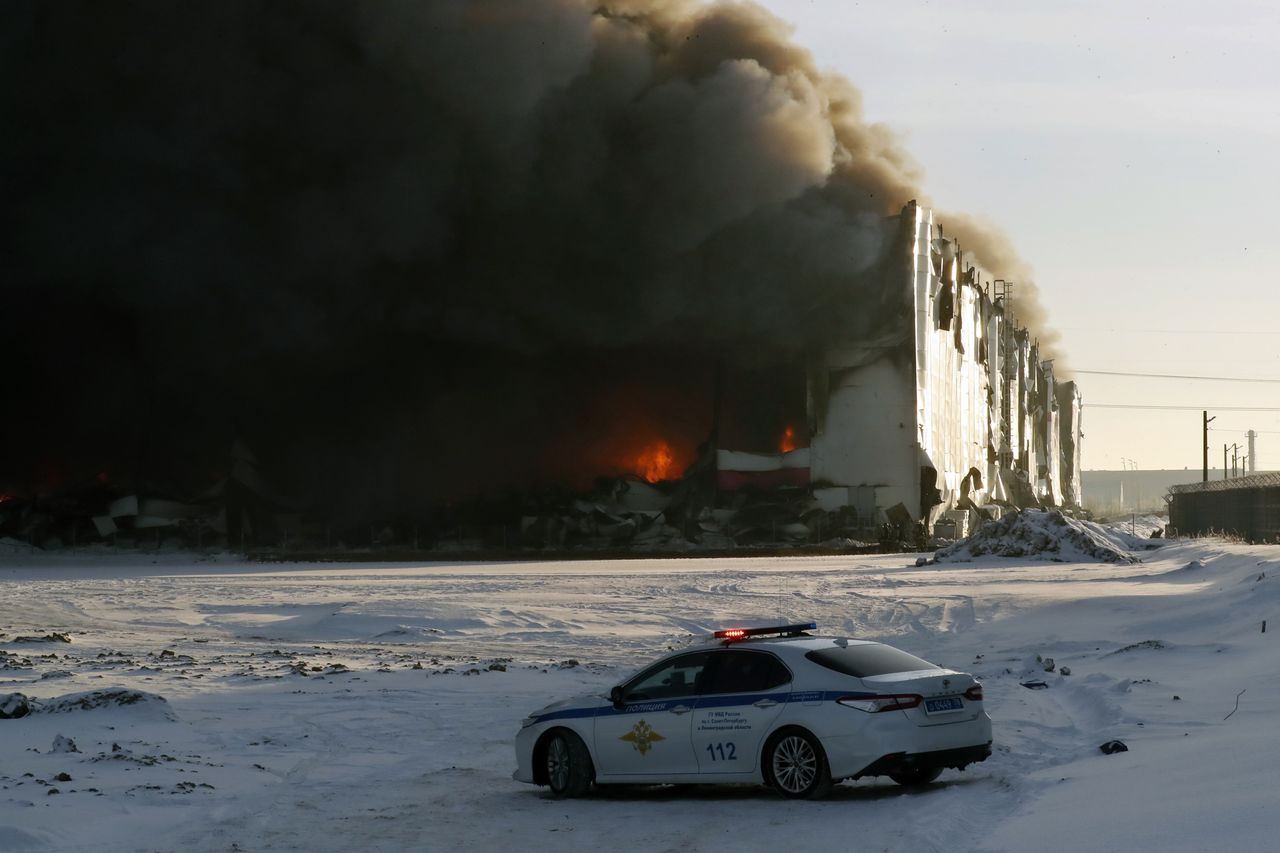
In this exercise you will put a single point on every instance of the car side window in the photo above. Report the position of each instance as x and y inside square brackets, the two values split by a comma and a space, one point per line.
[673, 679]
[741, 671]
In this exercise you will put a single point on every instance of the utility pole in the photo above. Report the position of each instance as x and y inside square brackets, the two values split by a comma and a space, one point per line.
[1224, 460]
[1253, 454]
[1207, 419]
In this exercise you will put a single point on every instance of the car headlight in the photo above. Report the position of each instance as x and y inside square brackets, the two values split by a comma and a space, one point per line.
[528, 721]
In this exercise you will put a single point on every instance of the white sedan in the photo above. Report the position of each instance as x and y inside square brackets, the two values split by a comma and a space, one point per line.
[768, 705]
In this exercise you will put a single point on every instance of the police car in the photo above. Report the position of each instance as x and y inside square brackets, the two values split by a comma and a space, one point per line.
[772, 705]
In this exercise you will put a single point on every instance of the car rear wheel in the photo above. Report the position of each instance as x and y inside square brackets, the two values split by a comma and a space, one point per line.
[796, 765]
[569, 769]
[916, 777]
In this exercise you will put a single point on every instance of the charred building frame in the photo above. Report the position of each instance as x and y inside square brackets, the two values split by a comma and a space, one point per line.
[943, 405]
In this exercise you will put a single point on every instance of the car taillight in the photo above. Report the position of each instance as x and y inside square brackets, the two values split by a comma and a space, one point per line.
[974, 693]
[877, 704]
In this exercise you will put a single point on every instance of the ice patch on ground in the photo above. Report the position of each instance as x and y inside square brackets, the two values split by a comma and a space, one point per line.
[1043, 535]
[339, 621]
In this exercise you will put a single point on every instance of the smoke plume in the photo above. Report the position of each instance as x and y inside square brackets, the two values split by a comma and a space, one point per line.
[405, 249]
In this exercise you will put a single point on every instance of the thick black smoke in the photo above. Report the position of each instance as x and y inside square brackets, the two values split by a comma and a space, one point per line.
[408, 249]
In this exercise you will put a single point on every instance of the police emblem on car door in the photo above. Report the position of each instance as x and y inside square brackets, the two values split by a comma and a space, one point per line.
[642, 737]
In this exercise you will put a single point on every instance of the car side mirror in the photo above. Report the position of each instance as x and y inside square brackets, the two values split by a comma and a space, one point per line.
[615, 696]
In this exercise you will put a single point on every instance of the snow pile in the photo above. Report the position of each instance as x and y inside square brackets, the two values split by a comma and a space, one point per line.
[1042, 535]
[114, 697]
[1137, 526]
[64, 744]
[15, 705]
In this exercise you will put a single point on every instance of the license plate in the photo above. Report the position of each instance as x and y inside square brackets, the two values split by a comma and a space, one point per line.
[941, 706]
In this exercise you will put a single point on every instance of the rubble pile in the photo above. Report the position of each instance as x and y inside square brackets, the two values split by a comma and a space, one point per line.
[747, 504]
[630, 513]
[1041, 535]
[75, 517]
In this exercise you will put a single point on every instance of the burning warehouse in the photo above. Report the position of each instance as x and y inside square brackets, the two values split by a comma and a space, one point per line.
[497, 251]
[941, 413]
[948, 406]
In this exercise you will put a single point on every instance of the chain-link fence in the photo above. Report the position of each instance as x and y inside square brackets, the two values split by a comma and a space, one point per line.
[1248, 507]
[1250, 482]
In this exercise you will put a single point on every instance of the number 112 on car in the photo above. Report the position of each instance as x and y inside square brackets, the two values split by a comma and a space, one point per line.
[722, 751]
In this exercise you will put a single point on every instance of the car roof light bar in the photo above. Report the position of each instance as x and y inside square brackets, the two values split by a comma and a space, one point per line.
[785, 630]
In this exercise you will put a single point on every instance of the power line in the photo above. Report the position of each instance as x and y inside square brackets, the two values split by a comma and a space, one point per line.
[1174, 376]
[1183, 408]
[1162, 331]
[1258, 431]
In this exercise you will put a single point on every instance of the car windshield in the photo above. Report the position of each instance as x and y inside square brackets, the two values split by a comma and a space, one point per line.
[864, 660]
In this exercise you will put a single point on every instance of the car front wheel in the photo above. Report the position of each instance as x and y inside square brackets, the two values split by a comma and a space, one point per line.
[796, 765]
[569, 769]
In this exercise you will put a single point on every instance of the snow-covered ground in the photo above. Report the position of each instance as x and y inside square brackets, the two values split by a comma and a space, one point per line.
[373, 707]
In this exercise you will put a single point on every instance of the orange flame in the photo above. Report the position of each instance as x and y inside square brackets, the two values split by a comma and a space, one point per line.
[788, 442]
[656, 462]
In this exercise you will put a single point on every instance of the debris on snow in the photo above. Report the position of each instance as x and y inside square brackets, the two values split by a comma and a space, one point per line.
[1113, 746]
[9, 660]
[61, 743]
[115, 697]
[1041, 535]
[51, 637]
[1133, 647]
[13, 706]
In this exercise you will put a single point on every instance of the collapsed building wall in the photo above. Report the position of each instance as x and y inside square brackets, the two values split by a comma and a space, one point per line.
[948, 406]
[1070, 409]
[1049, 470]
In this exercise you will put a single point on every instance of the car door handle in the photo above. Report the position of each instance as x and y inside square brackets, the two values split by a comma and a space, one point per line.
[680, 709]
[764, 703]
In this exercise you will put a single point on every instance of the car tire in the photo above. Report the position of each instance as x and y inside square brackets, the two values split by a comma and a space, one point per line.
[568, 765]
[795, 765]
[917, 777]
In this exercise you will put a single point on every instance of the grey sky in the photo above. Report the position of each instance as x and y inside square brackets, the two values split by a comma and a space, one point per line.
[1130, 151]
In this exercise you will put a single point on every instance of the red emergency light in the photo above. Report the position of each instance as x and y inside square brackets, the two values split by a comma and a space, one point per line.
[795, 630]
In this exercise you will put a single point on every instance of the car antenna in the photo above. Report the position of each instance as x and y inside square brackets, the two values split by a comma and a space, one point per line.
[779, 596]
